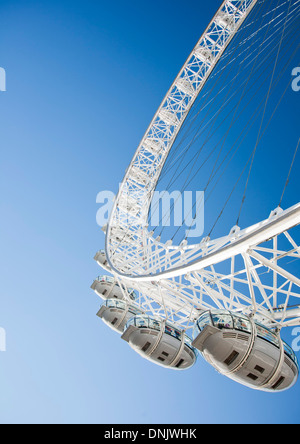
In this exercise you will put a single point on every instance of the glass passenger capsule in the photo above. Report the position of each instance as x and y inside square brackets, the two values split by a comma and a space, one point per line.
[106, 287]
[116, 313]
[160, 342]
[100, 258]
[246, 351]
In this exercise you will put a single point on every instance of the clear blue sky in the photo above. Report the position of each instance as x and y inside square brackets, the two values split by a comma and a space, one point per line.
[84, 79]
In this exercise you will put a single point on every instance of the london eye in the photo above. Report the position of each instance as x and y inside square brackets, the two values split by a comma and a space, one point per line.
[225, 298]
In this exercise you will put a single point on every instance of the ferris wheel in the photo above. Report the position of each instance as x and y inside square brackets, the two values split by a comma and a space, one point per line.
[226, 299]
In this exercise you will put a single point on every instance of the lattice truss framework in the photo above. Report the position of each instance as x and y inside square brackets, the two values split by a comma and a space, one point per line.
[178, 282]
[131, 208]
[257, 279]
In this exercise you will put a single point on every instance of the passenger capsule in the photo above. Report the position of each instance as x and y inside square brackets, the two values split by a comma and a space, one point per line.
[204, 54]
[122, 235]
[154, 146]
[225, 21]
[129, 204]
[185, 86]
[100, 258]
[160, 342]
[170, 118]
[246, 351]
[106, 287]
[139, 176]
[116, 313]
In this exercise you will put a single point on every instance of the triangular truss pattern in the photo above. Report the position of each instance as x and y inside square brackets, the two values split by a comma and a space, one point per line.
[130, 211]
[251, 270]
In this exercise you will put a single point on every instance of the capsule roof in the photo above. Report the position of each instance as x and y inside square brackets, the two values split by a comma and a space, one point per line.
[108, 288]
[246, 351]
[238, 321]
[116, 313]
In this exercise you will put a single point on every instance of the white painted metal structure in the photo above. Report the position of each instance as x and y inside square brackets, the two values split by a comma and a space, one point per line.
[245, 270]
[246, 351]
[130, 212]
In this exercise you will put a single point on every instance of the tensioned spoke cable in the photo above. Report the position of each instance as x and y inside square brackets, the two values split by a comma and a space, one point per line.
[255, 113]
[215, 89]
[227, 154]
[200, 125]
[187, 165]
[212, 174]
[288, 85]
[289, 174]
[166, 169]
[229, 197]
[274, 111]
[171, 181]
[258, 136]
[262, 120]
[253, 118]
[261, 135]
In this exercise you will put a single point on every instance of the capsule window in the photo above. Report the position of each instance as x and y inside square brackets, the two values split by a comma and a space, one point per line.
[231, 358]
[114, 321]
[266, 334]
[259, 369]
[278, 383]
[222, 320]
[179, 364]
[242, 323]
[161, 359]
[104, 292]
[253, 377]
[165, 354]
[146, 347]
[204, 320]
